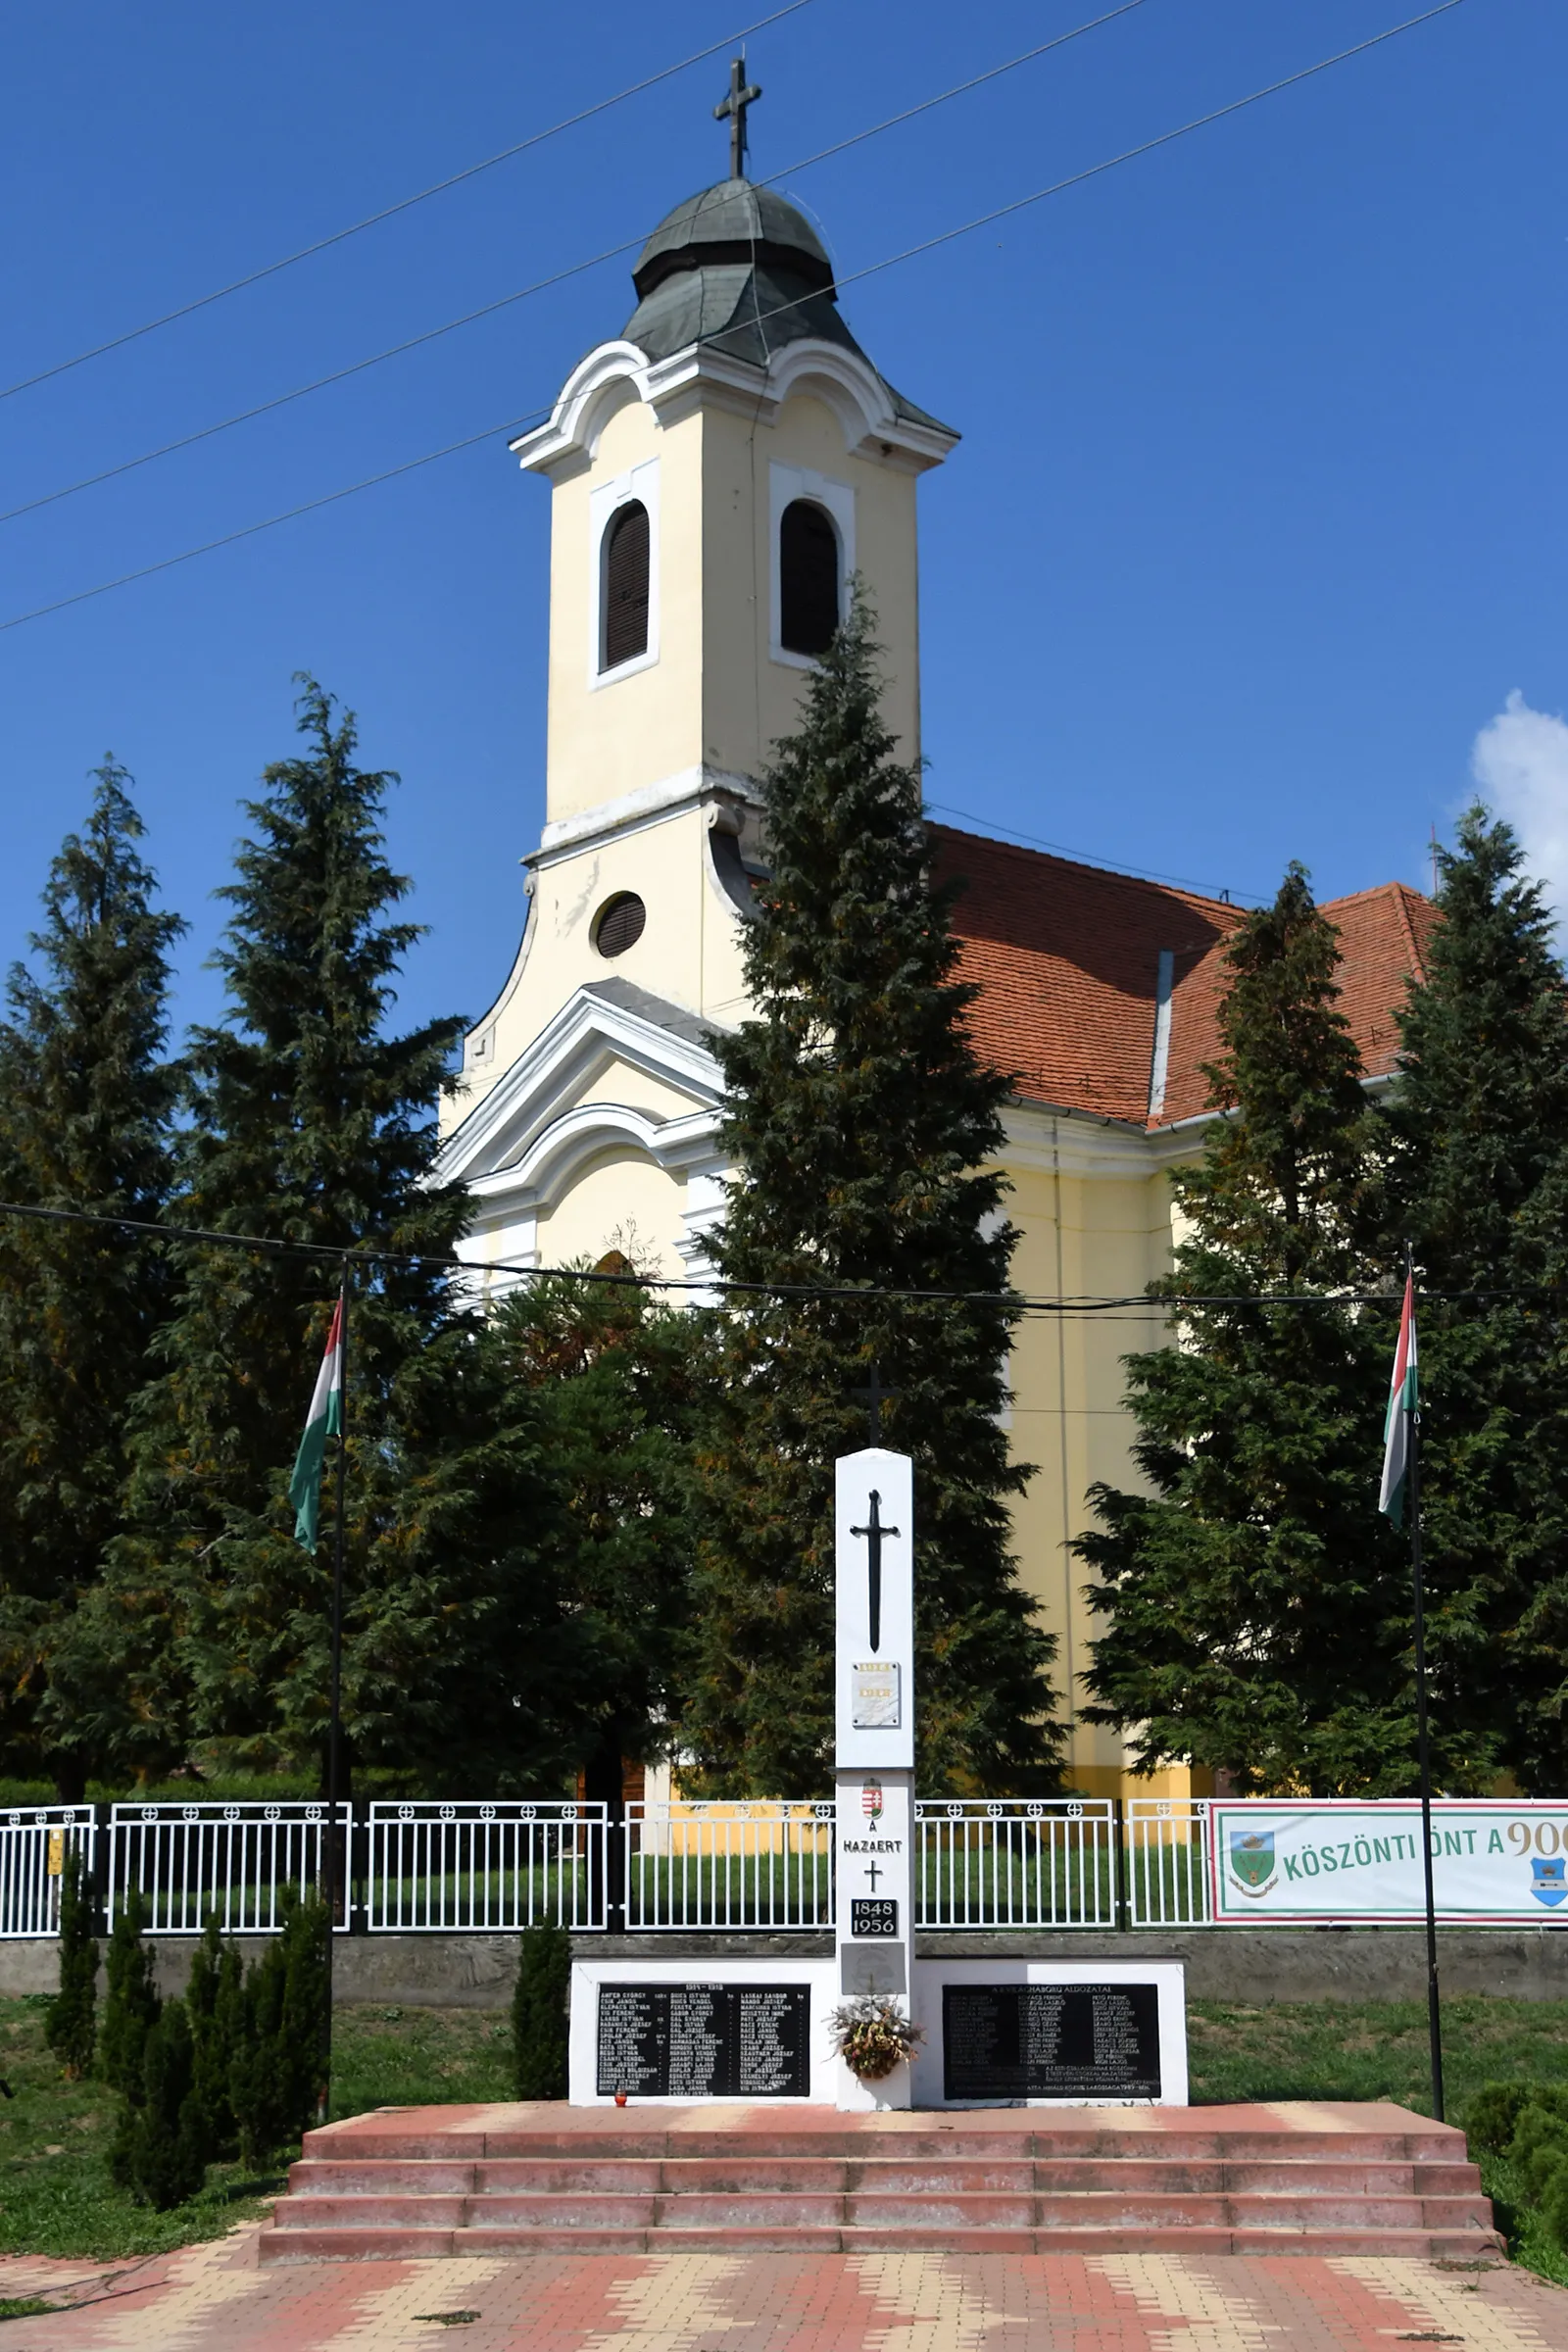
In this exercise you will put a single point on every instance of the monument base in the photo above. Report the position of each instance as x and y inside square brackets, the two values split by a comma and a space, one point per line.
[506, 2180]
[996, 2033]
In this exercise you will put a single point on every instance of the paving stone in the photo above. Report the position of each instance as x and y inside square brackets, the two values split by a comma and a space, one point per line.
[904, 2299]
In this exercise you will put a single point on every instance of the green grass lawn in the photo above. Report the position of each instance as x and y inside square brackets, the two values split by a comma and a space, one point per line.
[1371, 2050]
[56, 2196]
[1380, 2050]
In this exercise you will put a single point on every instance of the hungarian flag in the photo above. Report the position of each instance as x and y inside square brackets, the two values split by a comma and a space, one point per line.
[324, 1420]
[1403, 1395]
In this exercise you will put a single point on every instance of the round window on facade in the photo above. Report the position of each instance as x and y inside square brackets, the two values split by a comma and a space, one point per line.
[619, 924]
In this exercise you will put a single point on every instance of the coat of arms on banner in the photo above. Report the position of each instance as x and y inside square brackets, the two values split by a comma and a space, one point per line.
[1548, 1882]
[1252, 1860]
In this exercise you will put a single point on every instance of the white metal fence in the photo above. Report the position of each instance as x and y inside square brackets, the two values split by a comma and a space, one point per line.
[33, 1842]
[478, 1867]
[980, 1863]
[1015, 1863]
[231, 1862]
[1166, 1866]
[720, 1865]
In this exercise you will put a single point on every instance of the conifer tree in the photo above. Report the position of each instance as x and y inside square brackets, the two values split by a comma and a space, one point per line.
[539, 2013]
[86, 1096]
[131, 2004]
[159, 2150]
[1480, 1187]
[214, 2001]
[861, 1121]
[619, 1384]
[274, 2073]
[307, 1122]
[71, 2025]
[1257, 1612]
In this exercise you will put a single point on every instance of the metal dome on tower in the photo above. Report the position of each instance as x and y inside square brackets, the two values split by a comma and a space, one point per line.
[739, 268]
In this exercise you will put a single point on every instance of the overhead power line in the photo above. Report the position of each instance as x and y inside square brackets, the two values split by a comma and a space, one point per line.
[403, 204]
[329, 1253]
[1128, 155]
[891, 260]
[248, 531]
[557, 278]
[1114, 865]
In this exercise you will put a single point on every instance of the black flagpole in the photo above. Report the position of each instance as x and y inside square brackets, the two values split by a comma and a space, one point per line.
[1434, 2012]
[334, 1737]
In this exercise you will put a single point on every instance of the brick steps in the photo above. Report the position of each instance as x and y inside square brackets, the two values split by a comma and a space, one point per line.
[518, 2180]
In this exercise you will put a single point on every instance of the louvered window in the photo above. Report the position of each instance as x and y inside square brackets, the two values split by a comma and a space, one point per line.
[625, 561]
[619, 924]
[807, 578]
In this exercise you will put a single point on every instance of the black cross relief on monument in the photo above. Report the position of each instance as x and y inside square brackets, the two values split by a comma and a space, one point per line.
[874, 1534]
[740, 95]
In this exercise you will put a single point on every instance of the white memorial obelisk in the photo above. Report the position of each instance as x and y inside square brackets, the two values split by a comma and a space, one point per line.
[875, 1553]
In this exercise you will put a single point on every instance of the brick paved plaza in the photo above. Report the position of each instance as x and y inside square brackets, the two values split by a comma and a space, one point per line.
[216, 2298]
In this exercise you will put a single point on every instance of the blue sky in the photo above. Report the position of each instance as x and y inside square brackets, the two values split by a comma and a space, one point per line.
[1257, 521]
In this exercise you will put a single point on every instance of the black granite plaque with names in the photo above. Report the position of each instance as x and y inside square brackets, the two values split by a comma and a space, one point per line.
[704, 2041]
[1050, 2042]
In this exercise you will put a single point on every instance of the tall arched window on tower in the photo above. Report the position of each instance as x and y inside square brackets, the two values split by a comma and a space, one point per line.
[625, 572]
[807, 577]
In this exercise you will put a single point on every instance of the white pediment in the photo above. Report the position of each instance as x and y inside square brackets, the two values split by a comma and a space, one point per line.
[556, 1107]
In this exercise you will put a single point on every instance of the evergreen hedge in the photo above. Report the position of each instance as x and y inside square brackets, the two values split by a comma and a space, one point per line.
[70, 2028]
[274, 2076]
[540, 2013]
[131, 2006]
[160, 2150]
[1525, 2124]
[235, 2068]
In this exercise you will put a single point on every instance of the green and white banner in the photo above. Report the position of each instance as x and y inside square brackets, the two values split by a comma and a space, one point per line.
[1491, 1860]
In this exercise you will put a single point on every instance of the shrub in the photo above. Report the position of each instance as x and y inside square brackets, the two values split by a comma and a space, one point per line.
[70, 2027]
[1527, 2124]
[160, 2151]
[276, 2072]
[131, 2004]
[540, 2013]
[1539, 2148]
[1493, 2114]
[216, 2001]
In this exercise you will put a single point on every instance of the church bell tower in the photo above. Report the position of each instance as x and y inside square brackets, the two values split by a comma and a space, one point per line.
[719, 472]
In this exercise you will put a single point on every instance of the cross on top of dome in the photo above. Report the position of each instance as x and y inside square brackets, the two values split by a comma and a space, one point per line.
[740, 95]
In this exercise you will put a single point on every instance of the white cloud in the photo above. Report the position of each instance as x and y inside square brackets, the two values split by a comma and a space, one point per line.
[1520, 760]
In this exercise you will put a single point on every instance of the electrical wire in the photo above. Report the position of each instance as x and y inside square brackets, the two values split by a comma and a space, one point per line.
[853, 277]
[1128, 155]
[1017, 1302]
[248, 531]
[403, 204]
[339, 375]
[1114, 865]
[543, 285]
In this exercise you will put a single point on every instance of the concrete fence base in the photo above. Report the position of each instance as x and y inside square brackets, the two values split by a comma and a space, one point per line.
[1252, 1966]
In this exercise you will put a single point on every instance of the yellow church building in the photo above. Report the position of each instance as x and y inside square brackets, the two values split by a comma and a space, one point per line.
[717, 473]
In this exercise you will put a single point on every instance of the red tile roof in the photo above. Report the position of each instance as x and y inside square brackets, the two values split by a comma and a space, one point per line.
[1068, 960]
